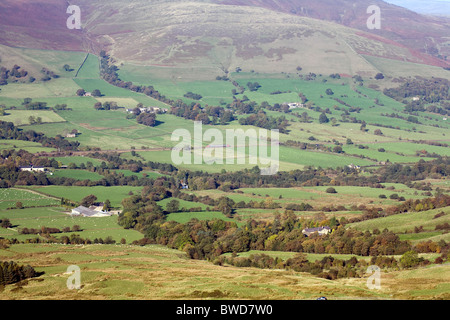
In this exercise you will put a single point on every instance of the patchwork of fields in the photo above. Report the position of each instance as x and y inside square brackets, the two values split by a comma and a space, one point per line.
[111, 130]
[10, 197]
[134, 272]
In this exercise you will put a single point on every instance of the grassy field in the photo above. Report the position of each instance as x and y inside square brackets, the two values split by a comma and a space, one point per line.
[406, 222]
[183, 204]
[184, 217]
[78, 174]
[317, 196]
[21, 117]
[32, 147]
[114, 194]
[154, 272]
[148, 174]
[9, 198]
[312, 257]
[77, 160]
[55, 217]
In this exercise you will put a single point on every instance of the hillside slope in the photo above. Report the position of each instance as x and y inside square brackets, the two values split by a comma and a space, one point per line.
[259, 35]
[425, 35]
[39, 24]
[201, 34]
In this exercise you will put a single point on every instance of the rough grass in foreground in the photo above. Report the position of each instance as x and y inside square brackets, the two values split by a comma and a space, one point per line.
[112, 272]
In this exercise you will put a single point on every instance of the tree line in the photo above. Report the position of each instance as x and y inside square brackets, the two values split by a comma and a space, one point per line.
[194, 111]
[48, 230]
[11, 272]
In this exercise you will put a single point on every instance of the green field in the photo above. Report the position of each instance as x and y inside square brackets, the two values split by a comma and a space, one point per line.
[32, 147]
[402, 223]
[184, 217]
[154, 272]
[78, 174]
[346, 196]
[77, 160]
[148, 174]
[9, 198]
[114, 194]
[183, 204]
[57, 218]
[21, 117]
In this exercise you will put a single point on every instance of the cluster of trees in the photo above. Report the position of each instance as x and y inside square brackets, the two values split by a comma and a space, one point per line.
[5, 223]
[30, 105]
[219, 115]
[9, 131]
[262, 120]
[47, 230]
[107, 105]
[284, 234]
[209, 239]
[34, 120]
[11, 272]
[12, 74]
[147, 119]
[253, 86]
[222, 78]
[429, 90]
[48, 74]
[209, 115]
[435, 90]
[445, 110]
[193, 96]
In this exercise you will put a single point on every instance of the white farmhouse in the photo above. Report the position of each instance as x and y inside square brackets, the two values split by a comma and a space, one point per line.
[321, 230]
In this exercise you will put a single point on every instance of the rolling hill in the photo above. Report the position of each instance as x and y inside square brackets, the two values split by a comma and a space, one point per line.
[425, 35]
[219, 36]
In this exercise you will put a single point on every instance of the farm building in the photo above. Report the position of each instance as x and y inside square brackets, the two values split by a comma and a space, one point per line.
[353, 166]
[88, 212]
[184, 185]
[295, 105]
[149, 110]
[33, 169]
[320, 230]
